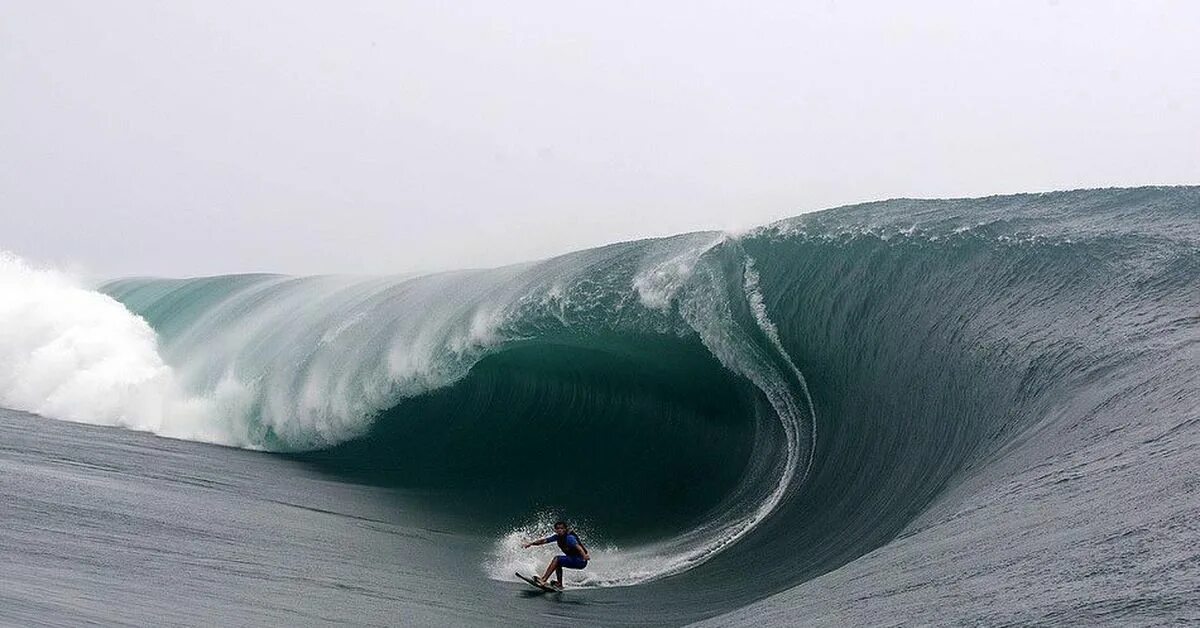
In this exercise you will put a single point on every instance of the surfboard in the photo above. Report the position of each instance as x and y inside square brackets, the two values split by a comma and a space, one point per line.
[535, 583]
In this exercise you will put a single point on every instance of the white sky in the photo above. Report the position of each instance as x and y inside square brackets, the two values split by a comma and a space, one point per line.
[209, 137]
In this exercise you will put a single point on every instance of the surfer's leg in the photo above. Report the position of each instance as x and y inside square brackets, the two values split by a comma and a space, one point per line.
[553, 566]
[558, 571]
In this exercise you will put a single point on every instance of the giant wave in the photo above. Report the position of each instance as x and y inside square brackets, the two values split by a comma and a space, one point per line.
[819, 382]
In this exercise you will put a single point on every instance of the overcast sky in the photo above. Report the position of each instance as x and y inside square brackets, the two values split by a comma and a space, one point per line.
[182, 138]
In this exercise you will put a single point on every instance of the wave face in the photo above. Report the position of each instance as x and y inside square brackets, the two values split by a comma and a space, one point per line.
[819, 382]
[645, 374]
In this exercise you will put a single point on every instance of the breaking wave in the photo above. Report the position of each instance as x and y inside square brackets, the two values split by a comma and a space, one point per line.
[819, 381]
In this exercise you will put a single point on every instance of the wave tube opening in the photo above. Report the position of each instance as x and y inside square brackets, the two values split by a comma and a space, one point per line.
[636, 438]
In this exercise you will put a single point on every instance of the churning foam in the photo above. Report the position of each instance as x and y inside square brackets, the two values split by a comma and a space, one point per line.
[70, 353]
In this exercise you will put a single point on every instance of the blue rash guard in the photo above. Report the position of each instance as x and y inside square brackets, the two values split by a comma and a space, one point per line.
[572, 552]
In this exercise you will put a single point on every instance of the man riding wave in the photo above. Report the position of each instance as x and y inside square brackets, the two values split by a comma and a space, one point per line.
[574, 554]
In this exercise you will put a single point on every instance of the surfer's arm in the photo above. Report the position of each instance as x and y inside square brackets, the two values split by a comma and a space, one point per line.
[582, 550]
[537, 542]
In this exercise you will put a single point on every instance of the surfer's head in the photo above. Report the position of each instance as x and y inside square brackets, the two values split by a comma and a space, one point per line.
[560, 527]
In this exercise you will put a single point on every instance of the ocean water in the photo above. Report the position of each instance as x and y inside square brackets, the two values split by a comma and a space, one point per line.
[981, 411]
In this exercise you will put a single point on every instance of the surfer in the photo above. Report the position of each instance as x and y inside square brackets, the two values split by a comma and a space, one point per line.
[574, 554]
